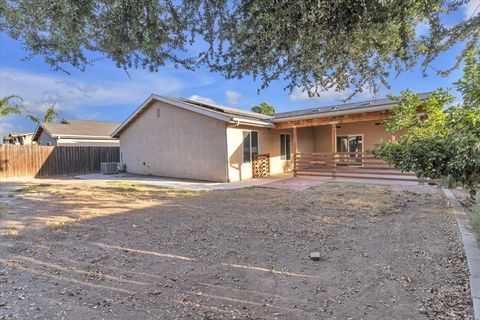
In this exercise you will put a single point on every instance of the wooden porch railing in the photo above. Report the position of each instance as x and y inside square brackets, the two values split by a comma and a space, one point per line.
[261, 165]
[345, 164]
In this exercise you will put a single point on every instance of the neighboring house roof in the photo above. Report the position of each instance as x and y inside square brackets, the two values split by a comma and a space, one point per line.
[340, 109]
[20, 134]
[74, 128]
[238, 116]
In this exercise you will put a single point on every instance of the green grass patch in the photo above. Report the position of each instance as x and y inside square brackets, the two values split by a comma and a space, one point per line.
[140, 189]
[35, 188]
[127, 188]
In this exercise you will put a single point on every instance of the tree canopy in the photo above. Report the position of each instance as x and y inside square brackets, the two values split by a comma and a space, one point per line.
[50, 115]
[264, 108]
[442, 143]
[313, 45]
[10, 105]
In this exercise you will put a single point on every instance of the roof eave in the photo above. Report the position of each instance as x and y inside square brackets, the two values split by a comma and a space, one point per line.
[38, 131]
[82, 136]
[256, 123]
[385, 107]
[185, 106]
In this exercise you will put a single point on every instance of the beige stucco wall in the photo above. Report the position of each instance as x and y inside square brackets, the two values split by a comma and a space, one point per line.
[268, 142]
[180, 144]
[306, 139]
[371, 132]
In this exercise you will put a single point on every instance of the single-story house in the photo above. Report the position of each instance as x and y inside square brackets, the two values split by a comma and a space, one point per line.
[182, 138]
[20, 138]
[74, 132]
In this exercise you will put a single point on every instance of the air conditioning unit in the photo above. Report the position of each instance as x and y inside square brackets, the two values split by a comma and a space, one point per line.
[109, 167]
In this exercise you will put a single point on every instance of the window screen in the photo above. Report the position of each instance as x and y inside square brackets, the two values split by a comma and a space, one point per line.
[246, 146]
[250, 145]
[254, 139]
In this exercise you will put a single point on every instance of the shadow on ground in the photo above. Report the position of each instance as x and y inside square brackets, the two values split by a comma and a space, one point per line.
[122, 251]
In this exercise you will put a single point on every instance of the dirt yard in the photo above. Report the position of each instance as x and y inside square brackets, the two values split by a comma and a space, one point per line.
[77, 250]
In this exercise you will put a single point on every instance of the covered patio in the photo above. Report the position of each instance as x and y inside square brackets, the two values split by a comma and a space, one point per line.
[339, 145]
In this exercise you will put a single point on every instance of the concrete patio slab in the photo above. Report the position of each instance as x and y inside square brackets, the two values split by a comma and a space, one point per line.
[369, 181]
[184, 184]
[472, 249]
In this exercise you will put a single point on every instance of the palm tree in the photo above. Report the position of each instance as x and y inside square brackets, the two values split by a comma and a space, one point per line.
[8, 107]
[50, 115]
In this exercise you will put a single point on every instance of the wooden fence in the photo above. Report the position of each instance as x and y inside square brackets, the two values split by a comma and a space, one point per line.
[45, 161]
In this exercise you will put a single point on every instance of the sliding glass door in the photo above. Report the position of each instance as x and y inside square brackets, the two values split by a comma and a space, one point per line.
[351, 148]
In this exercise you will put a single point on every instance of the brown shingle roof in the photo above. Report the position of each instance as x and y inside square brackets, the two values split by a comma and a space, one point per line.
[74, 127]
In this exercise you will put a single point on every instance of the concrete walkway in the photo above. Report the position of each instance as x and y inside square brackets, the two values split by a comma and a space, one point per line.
[472, 250]
[284, 181]
[184, 184]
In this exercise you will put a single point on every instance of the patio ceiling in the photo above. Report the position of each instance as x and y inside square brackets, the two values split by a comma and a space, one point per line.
[319, 121]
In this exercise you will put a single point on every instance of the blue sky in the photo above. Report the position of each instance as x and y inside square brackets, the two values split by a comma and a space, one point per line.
[104, 92]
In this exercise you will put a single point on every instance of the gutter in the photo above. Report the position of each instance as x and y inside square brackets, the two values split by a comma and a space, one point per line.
[257, 123]
[80, 136]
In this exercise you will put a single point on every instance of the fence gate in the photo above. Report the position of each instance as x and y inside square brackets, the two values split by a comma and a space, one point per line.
[261, 165]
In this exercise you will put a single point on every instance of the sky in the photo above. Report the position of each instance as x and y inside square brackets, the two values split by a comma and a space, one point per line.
[105, 93]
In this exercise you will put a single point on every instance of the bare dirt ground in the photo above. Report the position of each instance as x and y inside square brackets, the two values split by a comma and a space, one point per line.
[80, 250]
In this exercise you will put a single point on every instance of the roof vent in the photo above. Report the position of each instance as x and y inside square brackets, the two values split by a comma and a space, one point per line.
[334, 108]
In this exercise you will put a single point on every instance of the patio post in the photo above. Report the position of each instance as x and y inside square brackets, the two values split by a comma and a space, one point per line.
[334, 136]
[295, 150]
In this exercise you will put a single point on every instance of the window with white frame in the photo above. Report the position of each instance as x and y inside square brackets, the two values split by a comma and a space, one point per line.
[285, 146]
[250, 145]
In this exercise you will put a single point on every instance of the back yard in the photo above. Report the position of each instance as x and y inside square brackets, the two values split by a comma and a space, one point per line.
[82, 250]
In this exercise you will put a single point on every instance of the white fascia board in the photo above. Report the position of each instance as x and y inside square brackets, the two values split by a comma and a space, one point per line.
[257, 123]
[82, 136]
[72, 141]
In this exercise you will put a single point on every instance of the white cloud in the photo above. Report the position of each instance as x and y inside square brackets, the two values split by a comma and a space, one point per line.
[201, 99]
[471, 8]
[233, 97]
[39, 91]
[329, 95]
